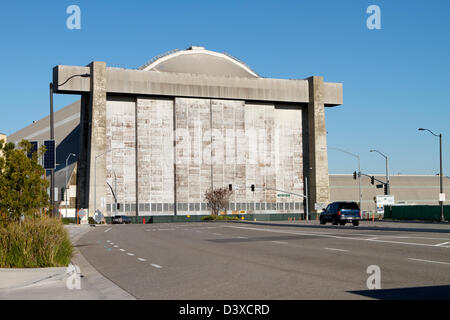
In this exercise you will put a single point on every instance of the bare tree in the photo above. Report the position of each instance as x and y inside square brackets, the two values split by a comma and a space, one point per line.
[218, 199]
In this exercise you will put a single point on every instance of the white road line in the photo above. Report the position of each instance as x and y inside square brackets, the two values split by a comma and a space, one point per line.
[108, 229]
[130, 254]
[332, 236]
[156, 266]
[217, 234]
[279, 242]
[239, 237]
[440, 262]
[442, 244]
[165, 229]
[116, 246]
[108, 241]
[122, 249]
[141, 259]
[334, 249]
[111, 243]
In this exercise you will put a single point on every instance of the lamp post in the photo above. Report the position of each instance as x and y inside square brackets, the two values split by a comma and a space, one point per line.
[52, 135]
[359, 171]
[71, 154]
[388, 186]
[441, 203]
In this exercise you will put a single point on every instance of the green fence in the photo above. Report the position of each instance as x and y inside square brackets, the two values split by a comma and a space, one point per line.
[419, 212]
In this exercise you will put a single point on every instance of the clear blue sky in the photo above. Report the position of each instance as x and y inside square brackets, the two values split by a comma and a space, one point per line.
[396, 79]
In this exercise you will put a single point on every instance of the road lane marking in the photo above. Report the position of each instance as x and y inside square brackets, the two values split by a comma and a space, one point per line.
[156, 266]
[431, 261]
[279, 242]
[332, 236]
[165, 229]
[141, 259]
[334, 249]
[122, 249]
[108, 229]
[239, 237]
[217, 234]
[108, 241]
[130, 254]
[116, 246]
[442, 244]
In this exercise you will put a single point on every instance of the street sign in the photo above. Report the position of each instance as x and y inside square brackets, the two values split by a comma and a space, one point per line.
[283, 195]
[50, 154]
[385, 200]
[319, 206]
[442, 197]
[379, 186]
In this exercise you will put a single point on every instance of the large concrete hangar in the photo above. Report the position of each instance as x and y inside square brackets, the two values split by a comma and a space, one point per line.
[186, 122]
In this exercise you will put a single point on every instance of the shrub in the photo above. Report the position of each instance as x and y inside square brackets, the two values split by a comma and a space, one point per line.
[35, 243]
[219, 218]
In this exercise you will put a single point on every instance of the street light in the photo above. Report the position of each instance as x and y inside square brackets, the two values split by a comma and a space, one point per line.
[388, 186]
[71, 154]
[52, 135]
[359, 171]
[441, 203]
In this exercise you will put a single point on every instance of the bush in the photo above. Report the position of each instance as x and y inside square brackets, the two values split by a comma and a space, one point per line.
[68, 220]
[219, 218]
[35, 243]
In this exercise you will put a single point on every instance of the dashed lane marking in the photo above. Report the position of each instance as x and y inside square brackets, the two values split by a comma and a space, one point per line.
[142, 259]
[279, 242]
[108, 229]
[334, 249]
[130, 254]
[122, 249]
[156, 266]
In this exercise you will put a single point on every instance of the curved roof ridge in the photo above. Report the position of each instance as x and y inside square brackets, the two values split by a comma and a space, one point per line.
[219, 63]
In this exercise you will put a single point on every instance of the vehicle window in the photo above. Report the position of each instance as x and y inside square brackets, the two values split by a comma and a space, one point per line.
[349, 205]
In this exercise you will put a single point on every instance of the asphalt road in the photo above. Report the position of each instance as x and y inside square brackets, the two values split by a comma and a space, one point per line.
[286, 260]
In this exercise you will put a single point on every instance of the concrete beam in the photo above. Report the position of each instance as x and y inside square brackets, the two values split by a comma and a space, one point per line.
[319, 185]
[140, 82]
[98, 141]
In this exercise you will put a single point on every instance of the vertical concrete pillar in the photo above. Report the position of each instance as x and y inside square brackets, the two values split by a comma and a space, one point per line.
[98, 144]
[317, 173]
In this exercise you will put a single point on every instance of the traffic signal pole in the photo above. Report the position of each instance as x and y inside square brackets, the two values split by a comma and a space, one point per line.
[52, 170]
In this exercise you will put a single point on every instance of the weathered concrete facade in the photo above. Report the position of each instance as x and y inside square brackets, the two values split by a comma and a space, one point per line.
[162, 138]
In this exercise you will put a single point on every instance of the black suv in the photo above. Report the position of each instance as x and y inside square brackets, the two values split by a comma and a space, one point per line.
[341, 212]
[121, 220]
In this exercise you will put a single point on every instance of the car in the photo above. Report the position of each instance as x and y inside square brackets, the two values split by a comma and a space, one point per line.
[121, 220]
[341, 212]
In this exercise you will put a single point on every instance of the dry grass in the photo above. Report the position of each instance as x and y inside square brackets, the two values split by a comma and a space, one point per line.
[37, 242]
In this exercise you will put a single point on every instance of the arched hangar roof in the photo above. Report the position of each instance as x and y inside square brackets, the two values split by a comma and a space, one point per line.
[197, 60]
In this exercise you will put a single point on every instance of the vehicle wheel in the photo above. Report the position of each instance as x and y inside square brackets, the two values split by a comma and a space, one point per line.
[322, 220]
[342, 223]
[355, 223]
[334, 221]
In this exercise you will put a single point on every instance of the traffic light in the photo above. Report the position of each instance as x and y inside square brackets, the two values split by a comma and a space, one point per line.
[385, 189]
[230, 187]
[372, 179]
[253, 187]
[354, 175]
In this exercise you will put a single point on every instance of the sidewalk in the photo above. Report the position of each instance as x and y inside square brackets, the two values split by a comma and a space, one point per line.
[51, 283]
